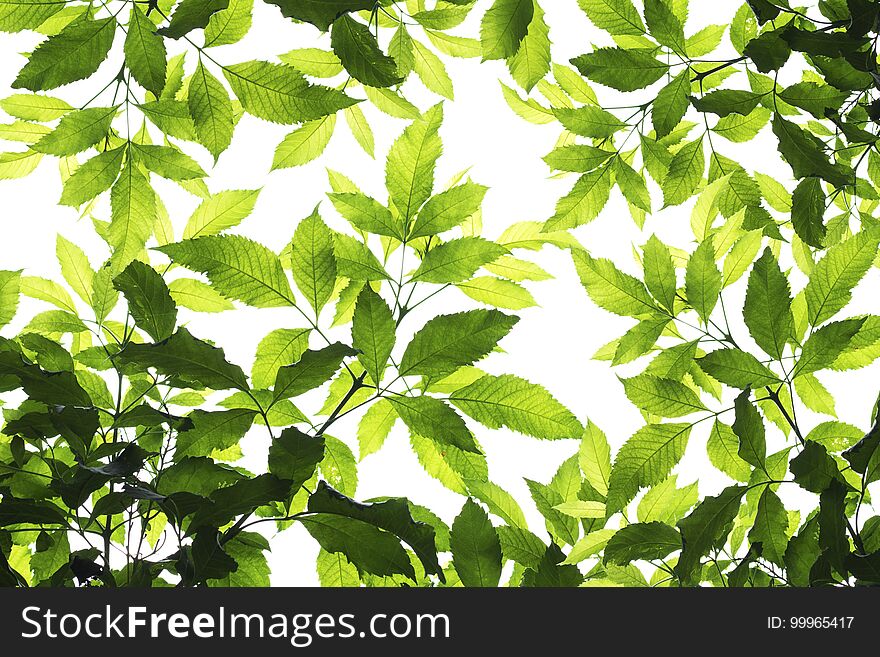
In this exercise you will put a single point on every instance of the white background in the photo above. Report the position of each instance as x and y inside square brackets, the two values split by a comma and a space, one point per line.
[552, 344]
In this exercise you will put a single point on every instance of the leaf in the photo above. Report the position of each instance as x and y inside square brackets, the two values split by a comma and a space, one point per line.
[133, 211]
[504, 26]
[375, 427]
[617, 17]
[663, 397]
[192, 15]
[188, 359]
[831, 283]
[77, 131]
[612, 289]
[589, 121]
[725, 102]
[770, 528]
[221, 211]
[149, 300]
[651, 540]
[706, 528]
[213, 431]
[359, 53]
[373, 333]
[312, 370]
[367, 214]
[666, 503]
[476, 550]
[825, 345]
[145, 52]
[624, 70]
[295, 456]
[448, 209]
[580, 509]
[434, 419]
[449, 342]
[814, 469]
[306, 143]
[767, 311]
[168, 162]
[313, 263]
[281, 94]
[703, 280]
[321, 13]
[237, 267]
[685, 172]
[229, 25]
[279, 348]
[457, 260]
[671, 104]
[198, 296]
[594, 458]
[531, 62]
[409, 172]
[431, 71]
[749, 428]
[393, 515]
[659, 270]
[211, 111]
[738, 369]
[339, 466]
[804, 152]
[808, 211]
[509, 401]
[75, 53]
[645, 460]
[354, 260]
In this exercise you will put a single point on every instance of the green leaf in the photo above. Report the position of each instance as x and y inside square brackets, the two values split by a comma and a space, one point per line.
[594, 458]
[149, 300]
[188, 359]
[221, 211]
[313, 263]
[589, 121]
[375, 427]
[768, 51]
[585, 201]
[664, 25]
[168, 162]
[19, 15]
[211, 111]
[531, 62]
[9, 293]
[393, 515]
[706, 528]
[804, 152]
[509, 401]
[213, 431]
[703, 280]
[612, 289]
[449, 342]
[685, 173]
[738, 369]
[770, 528]
[133, 212]
[373, 333]
[645, 460]
[237, 267]
[281, 94]
[825, 345]
[651, 540]
[814, 469]
[434, 419]
[666, 503]
[320, 13]
[457, 260]
[192, 15]
[229, 25]
[295, 456]
[431, 71]
[145, 52]
[767, 310]
[725, 102]
[77, 131]
[624, 70]
[476, 550]
[367, 214]
[75, 53]
[198, 296]
[832, 281]
[504, 26]
[307, 142]
[448, 209]
[617, 17]
[35, 107]
[409, 172]
[749, 428]
[671, 104]
[279, 348]
[354, 260]
[581, 509]
[312, 370]
[808, 211]
[359, 53]
[663, 397]
[339, 466]
[723, 451]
